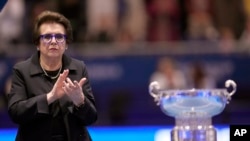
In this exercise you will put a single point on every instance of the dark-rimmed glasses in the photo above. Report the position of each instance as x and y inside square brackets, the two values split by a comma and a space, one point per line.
[47, 38]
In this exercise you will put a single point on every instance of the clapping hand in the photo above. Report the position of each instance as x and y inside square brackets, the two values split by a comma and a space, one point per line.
[58, 91]
[74, 90]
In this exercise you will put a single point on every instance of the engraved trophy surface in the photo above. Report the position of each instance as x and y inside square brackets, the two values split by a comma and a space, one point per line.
[192, 109]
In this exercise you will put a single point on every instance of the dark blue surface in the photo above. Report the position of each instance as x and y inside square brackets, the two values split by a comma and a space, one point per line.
[2, 3]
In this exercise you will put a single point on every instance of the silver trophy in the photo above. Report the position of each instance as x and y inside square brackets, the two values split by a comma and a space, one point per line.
[192, 109]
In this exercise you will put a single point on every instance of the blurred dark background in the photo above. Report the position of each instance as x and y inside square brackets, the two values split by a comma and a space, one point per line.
[126, 44]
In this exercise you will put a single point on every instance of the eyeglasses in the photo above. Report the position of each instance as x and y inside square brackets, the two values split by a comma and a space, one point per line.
[47, 38]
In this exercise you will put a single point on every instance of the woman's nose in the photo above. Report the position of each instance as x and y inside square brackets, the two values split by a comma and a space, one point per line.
[53, 39]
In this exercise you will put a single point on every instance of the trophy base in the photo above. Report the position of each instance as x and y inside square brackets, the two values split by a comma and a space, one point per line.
[193, 129]
[186, 134]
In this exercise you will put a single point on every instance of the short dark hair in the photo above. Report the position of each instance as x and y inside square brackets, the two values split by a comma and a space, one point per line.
[50, 16]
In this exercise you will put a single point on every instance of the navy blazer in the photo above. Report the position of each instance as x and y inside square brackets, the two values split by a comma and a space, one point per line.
[28, 106]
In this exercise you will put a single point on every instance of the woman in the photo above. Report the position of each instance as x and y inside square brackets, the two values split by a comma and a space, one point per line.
[51, 98]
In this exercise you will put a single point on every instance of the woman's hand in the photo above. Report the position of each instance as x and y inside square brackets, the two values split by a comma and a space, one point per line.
[74, 90]
[57, 91]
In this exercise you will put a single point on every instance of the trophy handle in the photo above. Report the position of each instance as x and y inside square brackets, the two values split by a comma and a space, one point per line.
[229, 83]
[154, 89]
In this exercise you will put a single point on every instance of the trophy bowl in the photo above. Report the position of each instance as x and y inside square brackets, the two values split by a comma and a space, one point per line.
[188, 102]
[192, 109]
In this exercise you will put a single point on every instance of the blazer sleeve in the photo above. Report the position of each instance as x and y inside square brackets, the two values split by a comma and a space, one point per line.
[21, 107]
[87, 112]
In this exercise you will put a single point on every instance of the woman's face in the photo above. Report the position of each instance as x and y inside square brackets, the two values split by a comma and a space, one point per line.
[53, 40]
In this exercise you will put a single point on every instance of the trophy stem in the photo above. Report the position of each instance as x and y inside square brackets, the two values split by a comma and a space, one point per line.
[193, 123]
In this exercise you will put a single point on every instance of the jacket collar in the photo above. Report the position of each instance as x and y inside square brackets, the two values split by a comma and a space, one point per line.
[35, 67]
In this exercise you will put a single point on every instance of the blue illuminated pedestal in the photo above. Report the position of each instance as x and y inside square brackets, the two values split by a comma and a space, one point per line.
[127, 133]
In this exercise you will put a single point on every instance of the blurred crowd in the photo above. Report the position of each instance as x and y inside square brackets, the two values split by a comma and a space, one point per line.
[130, 21]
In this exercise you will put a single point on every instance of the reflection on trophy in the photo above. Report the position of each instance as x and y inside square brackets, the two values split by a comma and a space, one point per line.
[192, 109]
